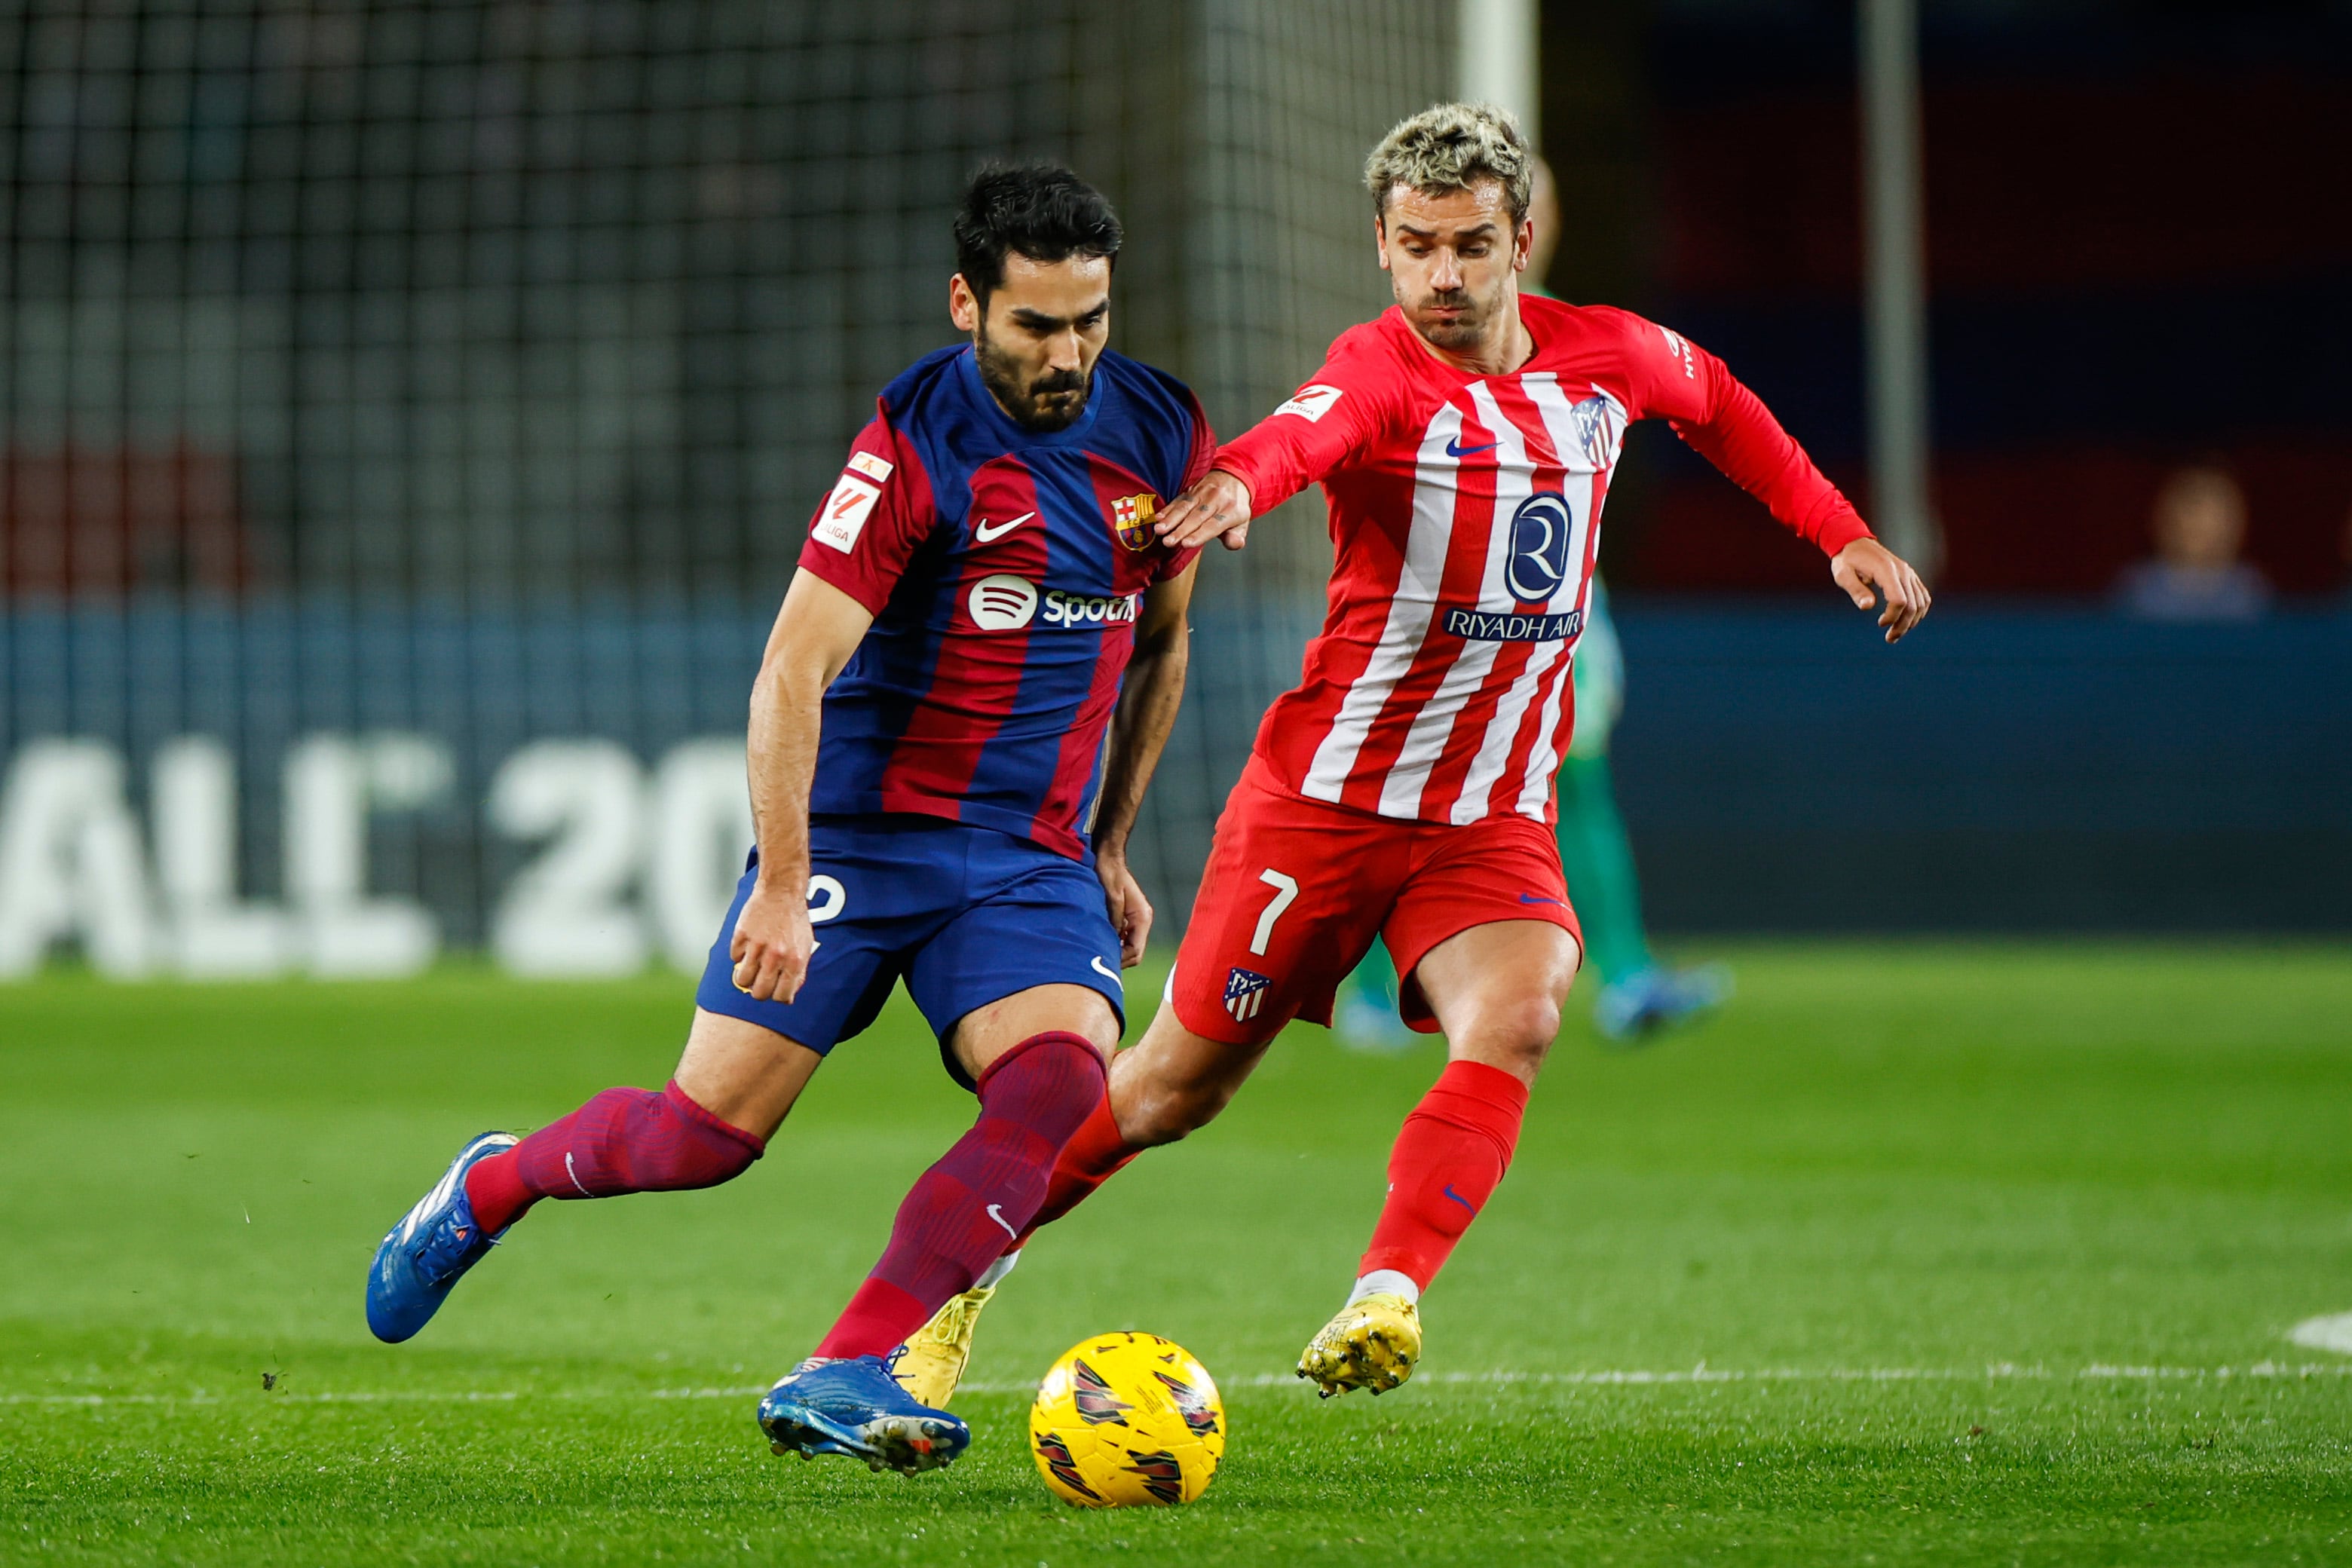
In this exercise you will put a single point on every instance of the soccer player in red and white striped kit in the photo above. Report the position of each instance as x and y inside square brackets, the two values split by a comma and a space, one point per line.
[1465, 440]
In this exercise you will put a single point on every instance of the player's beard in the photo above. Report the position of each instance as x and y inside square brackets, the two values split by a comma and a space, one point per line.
[1463, 333]
[1043, 404]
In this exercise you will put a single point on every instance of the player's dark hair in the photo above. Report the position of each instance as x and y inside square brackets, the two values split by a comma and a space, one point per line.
[1042, 210]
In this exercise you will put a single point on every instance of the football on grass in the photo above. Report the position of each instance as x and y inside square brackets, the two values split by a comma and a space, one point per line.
[1128, 1420]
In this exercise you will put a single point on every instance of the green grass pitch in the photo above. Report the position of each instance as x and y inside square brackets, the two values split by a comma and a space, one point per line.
[1918, 1254]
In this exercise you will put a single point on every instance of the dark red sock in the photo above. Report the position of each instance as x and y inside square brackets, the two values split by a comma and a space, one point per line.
[624, 1141]
[1448, 1159]
[964, 1211]
[1095, 1154]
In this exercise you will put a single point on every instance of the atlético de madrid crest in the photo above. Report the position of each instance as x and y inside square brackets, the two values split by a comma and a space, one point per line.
[1245, 992]
[1132, 515]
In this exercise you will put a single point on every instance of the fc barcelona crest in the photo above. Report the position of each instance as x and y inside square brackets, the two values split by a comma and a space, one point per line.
[1132, 515]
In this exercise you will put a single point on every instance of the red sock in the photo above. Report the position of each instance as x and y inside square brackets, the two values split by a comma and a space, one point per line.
[1448, 1159]
[963, 1211]
[624, 1141]
[1095, 1154]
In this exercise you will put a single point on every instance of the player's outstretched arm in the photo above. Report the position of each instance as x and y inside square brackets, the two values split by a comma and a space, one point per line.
[816, 631]
[1673, 378]
[1148, 701]
[1873, 575]
[1217, 507]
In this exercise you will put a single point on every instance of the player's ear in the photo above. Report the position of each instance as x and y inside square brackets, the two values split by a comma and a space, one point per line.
[1381, 239]
[963, 305]
[1523, 243]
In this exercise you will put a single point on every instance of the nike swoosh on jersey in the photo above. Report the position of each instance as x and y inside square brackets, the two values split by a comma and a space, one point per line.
[1532, 899]
[1458, 1198]
[1000, 1219]
[1105, 970]
[1455, 448]
[981, 531]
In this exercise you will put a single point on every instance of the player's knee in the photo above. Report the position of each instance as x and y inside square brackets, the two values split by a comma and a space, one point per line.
[1516, 1035]
[1153, 1119]
[1151, 1114]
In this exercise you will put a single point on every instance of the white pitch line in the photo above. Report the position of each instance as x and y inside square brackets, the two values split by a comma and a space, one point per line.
[2329, 1333]
[1702, 1373]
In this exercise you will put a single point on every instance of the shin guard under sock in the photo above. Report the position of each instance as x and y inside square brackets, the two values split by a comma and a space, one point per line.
[1095, 1154]
[624, 1141]
[966, 1211]
[1448, 1159]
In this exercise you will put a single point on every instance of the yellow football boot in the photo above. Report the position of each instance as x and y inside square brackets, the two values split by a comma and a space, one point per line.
[930, 1365]
[1371, 1344]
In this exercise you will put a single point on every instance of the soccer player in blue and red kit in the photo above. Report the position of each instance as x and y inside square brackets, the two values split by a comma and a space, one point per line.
[962, 700]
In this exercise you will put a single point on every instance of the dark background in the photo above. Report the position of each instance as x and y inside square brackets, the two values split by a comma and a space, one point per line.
[471, 368]
[2139, 248]
[2139, 245]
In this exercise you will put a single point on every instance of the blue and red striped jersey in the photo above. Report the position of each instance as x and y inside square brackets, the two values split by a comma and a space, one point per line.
[1004, 569]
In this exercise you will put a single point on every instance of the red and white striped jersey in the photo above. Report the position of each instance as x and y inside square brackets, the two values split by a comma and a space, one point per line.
[1465, 512]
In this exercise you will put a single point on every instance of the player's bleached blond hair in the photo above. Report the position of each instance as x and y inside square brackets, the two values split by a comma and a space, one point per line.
[1449, 147]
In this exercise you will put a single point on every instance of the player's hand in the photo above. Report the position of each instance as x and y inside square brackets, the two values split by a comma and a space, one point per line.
[1869, 572]
[1131, 911]
[773, 942]
[1217, 507]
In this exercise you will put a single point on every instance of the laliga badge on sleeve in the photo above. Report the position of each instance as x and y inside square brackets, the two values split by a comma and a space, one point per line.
[845, 510]
[1312, 402]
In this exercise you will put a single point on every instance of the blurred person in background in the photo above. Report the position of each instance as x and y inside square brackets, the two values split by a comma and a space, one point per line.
[2199, 526]
[1638, 995]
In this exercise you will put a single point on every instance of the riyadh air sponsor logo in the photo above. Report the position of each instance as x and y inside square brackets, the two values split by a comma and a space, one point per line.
[1485, 626]
[1537, 564]
[1244, 993]
[1002, 603]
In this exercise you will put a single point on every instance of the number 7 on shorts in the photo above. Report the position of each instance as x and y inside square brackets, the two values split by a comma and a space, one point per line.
[1285, 888]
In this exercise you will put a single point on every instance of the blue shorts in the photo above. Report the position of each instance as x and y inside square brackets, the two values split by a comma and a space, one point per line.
[967, 915]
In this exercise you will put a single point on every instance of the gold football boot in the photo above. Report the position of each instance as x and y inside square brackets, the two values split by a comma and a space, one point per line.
[1371, 1344]
[930, 1365]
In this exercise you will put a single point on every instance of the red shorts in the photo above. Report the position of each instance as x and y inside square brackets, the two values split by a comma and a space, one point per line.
[1296, 889]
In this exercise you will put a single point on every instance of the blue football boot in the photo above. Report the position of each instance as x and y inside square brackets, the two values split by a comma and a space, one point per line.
[430, 1249]
[1649, 1001]
[853, 1407]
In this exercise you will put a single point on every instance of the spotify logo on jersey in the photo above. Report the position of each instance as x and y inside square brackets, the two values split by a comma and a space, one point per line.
[1002, 603]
